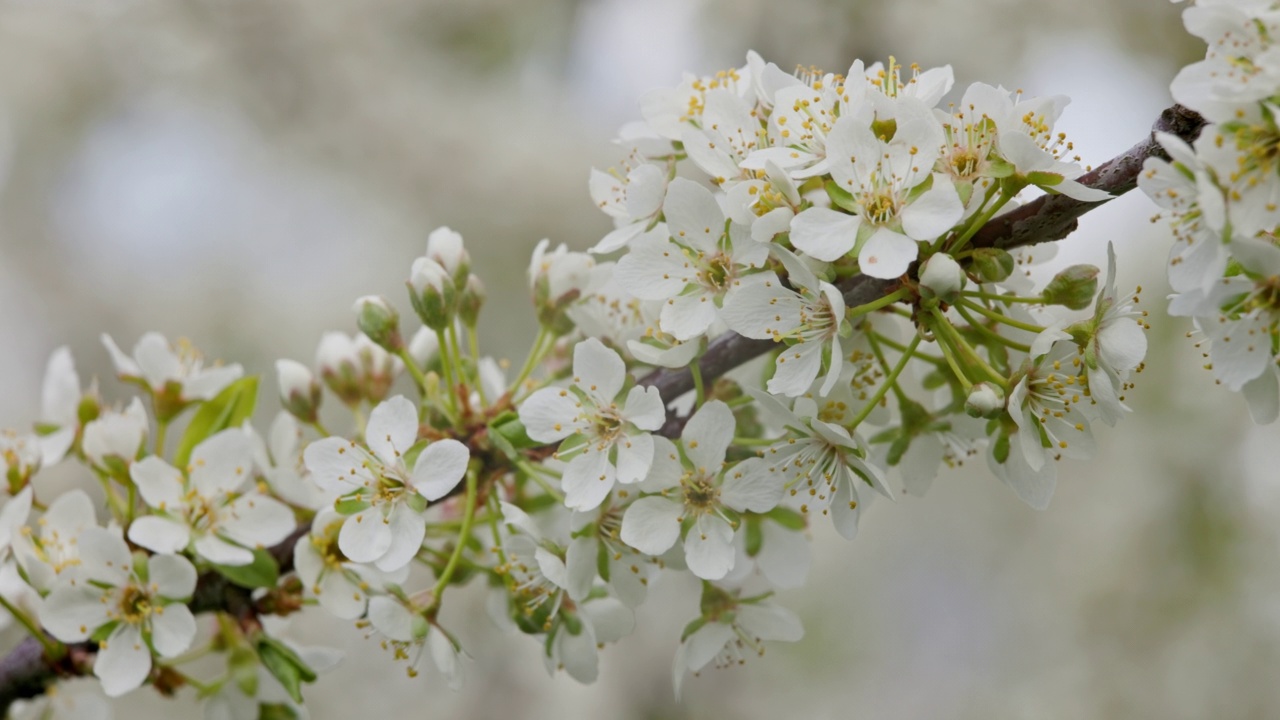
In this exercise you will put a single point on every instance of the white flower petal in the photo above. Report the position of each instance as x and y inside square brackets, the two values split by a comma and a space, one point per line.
[408, 528]
[934, 212]
[440, 467]
[651, 525]
[72, 614]
[693, 216]
[159, 534]
[392, 429]
[173, 627]
[887, 254]
[123, 662]
[220, 552]
[635, 457]
[644, 408]
[159, 483]
[824, 234]
[222, 463]
[173, 576]
[588, 479]
[707, 435]
[598, 371]
[256, 520]
[708, 548]
[365, 536]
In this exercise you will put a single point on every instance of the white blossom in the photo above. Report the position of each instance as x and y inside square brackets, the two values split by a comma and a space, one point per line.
[694, 487]
[603, 442]
[382, 498]
[143, 615]
[207, 507]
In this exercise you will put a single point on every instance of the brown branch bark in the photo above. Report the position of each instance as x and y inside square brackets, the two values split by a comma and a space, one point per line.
[25, 672]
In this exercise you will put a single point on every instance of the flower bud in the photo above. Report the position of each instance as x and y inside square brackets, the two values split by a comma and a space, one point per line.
[990, 265]
[557, 279]
[432, 293]
[299, 391]
[1073, 288]
[985, 400]
[941, 277]
[376, 318]
[378, 369]
[339, 366]
[444, 246]
[471, 300]
[424, 346]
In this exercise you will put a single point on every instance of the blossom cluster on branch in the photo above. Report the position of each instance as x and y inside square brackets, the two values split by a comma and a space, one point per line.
[746, 204]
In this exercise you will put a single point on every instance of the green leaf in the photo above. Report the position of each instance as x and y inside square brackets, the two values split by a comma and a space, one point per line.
[263, 572]
[230, 408]
[285, 665]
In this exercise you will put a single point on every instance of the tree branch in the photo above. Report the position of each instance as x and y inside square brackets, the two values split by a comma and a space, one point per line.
[25, 672]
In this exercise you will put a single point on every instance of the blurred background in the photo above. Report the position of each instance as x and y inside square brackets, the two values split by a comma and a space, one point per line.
[237, 172]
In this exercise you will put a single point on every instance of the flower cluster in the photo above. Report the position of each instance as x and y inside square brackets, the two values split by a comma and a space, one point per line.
[1221, 196]
[830, 220]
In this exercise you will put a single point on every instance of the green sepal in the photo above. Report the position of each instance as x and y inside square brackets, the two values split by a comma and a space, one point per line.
[285, 665]
[787, 518]
[263, 572]
[350, 505]
[841, 198]
[1001, 450]
[229, 408]
[755, 535]
[999, 168]
[242, 664]
[692, 628]
[508, 434]
[416, 502]
[1043, 179]
[276, 711]
[104, 632]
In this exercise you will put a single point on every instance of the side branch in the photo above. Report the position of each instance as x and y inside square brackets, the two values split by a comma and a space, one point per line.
[1048, 218]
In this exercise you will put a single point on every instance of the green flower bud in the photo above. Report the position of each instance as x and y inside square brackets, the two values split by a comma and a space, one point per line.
[1073, 288]
[300, 392]
[471, 300]
[941, 277]
[985, 400]
[990, 265]
[432, 293]
[377, 319]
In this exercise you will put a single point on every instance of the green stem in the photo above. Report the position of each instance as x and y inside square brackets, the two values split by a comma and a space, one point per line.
[324, 432]
[874, 305]
[52, 650]
[895, 345]
[473, 346]
[989, 333]
[162, 427]
[949, 352]
[875, 350]
[446, 367]
[535, 356]
[999, 317]
[979, 221]
[1001, 298]
[970, 355]
[411, 365]
[537, 478]
[468, 515]
[884, 387]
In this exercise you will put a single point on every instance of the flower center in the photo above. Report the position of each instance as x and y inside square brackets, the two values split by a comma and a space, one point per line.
[135, 605]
